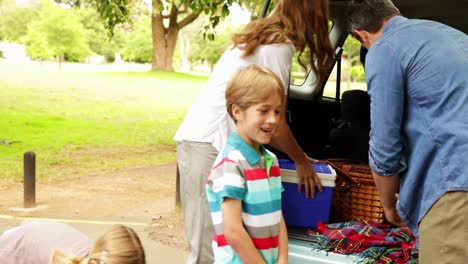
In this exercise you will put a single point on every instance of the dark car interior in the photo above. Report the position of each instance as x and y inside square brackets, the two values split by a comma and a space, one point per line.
[338, 126]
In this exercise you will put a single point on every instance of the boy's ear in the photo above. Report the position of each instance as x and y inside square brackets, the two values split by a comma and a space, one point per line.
[236, 112]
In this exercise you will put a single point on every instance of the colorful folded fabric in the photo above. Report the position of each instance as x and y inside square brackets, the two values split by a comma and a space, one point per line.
[369, 241]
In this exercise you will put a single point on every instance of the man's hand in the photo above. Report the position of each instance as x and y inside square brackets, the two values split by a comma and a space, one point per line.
[393, 217]
[308, 177]
[388, 187]
[391, 213]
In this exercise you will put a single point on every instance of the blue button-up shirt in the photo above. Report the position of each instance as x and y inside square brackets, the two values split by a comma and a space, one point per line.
[417, 77]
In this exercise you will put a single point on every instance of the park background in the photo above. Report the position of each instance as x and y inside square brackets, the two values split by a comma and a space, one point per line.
[80, 85]
[97, 89]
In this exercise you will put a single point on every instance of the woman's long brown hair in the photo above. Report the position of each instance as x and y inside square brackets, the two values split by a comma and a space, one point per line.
[302, 22]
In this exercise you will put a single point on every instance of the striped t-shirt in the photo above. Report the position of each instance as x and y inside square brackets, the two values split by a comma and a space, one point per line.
[240, 172]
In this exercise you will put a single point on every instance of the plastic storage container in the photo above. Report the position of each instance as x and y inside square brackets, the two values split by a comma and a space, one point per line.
[298, 210]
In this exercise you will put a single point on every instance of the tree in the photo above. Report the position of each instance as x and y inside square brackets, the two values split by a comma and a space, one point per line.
[36, 41]
[14, 20]
[138, 45]
[168, 17]
[96, 35]
[210, 51]
[60, 33]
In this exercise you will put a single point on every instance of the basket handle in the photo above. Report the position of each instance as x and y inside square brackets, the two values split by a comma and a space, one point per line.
[344, 173]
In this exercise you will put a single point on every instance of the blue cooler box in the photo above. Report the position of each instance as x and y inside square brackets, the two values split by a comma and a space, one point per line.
[298, 210]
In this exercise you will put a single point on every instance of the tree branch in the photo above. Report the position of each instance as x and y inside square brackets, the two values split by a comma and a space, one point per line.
[188, 19]
[173, 15]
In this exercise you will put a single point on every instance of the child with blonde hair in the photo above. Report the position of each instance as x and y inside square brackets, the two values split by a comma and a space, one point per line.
[49, 242]
[244, 186]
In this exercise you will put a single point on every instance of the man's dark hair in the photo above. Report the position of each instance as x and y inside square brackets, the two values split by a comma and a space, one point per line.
[369, 15]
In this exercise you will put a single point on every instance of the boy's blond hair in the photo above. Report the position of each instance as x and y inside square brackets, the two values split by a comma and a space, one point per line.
[252, 85]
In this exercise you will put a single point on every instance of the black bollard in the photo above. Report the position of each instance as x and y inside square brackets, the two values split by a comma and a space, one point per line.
[29, 180]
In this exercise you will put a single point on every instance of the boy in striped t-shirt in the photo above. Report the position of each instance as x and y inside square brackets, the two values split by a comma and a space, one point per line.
[244, 186]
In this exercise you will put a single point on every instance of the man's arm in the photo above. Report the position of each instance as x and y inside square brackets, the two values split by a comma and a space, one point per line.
[235, 233]
[388, 187]
[386, 82]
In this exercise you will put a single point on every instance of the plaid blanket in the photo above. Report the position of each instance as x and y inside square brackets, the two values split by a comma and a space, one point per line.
[369, 241]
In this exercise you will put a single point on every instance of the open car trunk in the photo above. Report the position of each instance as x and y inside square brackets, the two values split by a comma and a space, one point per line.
[312, 114]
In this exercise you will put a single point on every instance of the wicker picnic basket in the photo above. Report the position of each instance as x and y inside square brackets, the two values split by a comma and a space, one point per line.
[355, 195]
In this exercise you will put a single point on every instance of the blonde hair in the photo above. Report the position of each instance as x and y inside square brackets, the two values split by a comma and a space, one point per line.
[302, 22]
[252, 85]
[118, 245]
[59, 257]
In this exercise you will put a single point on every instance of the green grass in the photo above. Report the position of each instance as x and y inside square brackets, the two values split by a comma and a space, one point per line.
[79, 121]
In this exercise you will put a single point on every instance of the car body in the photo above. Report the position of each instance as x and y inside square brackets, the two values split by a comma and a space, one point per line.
[312, 113]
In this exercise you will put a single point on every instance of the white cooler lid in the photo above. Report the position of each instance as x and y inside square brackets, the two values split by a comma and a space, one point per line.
[328, 180]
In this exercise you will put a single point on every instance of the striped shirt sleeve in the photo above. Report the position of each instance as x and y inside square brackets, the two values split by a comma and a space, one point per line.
[227, 180]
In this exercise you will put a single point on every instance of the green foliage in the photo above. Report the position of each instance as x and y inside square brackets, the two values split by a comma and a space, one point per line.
[216, 11]
[96, 35]
[14, 20]
[65, 34]
[71, 3]
[357, 73]
[211, 49]
[138, 43]
[256, 7]
[351, 51]
[113, 13]
[59, 32]
[37, 46]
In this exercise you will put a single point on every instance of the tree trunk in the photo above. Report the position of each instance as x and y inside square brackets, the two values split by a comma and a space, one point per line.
[163, 45]
[159, 38]
[60, 58]
[173, 32]
[165, 39]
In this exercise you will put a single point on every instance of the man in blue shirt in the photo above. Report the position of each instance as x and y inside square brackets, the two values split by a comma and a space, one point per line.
[417, 78]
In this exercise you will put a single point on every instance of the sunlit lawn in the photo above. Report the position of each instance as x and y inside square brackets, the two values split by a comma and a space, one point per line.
[81, 121]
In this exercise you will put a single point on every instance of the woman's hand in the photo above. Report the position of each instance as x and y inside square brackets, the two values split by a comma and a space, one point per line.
[308, 177]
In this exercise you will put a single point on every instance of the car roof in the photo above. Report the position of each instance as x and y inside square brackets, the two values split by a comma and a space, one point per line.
[449, 12]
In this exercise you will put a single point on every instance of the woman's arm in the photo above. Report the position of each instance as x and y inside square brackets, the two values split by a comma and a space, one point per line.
[284, 140]
[283, 243]
[235, 233]
[278, 58]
